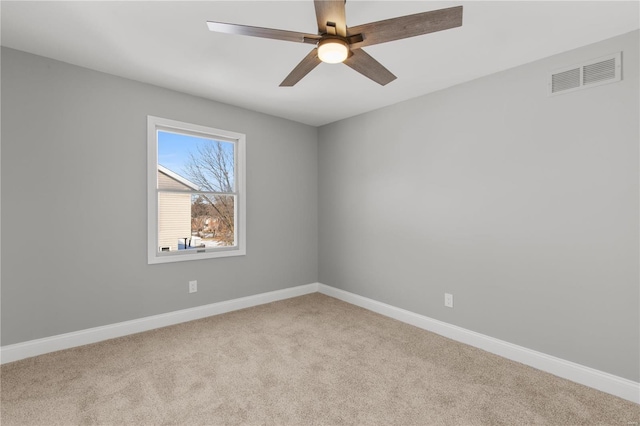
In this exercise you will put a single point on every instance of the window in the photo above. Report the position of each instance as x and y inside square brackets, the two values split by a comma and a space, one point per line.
[196, 192]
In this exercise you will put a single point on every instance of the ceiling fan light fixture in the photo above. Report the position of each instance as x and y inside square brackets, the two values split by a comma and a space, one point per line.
[333, 50]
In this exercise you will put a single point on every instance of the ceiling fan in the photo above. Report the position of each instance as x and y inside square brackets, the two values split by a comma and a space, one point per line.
[338, 43]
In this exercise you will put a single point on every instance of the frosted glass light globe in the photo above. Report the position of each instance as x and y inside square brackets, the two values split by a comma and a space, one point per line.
[333, 51]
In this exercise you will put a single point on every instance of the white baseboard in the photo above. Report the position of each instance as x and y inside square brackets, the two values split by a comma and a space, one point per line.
[587, 376]
[596, 379]
[36, 347]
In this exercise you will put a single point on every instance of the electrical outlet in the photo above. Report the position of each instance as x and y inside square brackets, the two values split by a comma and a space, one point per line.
[193, 286]
[448, 300]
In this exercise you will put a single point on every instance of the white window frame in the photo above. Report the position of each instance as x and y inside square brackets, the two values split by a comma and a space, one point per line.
[155, 124]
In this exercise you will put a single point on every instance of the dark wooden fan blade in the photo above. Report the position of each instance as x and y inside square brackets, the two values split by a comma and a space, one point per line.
[303, 68]
[407, 26]
[247, 30]
[362, 62]
[331, 12]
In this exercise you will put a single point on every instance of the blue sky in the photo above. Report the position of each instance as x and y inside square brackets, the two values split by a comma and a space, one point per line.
[174, 149]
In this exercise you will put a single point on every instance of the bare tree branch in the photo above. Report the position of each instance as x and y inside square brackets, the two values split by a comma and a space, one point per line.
[212, 169]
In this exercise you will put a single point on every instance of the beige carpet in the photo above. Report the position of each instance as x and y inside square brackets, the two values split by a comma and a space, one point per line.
[311, 360]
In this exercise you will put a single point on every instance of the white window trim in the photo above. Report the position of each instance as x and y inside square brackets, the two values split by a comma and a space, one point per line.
[240, 249]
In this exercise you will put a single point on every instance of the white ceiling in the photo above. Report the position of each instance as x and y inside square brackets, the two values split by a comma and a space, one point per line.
[167, 43]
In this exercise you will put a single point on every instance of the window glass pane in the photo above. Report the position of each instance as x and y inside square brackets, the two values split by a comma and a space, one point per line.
[190, 221]
[174, 220]
[213, 220]
[195, 163]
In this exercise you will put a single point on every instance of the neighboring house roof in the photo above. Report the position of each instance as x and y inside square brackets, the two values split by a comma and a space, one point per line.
[178, 178]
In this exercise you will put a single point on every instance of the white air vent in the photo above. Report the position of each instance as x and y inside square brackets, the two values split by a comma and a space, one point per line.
[607, 69]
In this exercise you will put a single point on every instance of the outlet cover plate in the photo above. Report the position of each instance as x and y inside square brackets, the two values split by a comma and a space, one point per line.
[193, 286]
[448, 300]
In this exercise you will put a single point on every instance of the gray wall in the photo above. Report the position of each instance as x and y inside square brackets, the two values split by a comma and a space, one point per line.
[74, 202]
[524, 206]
